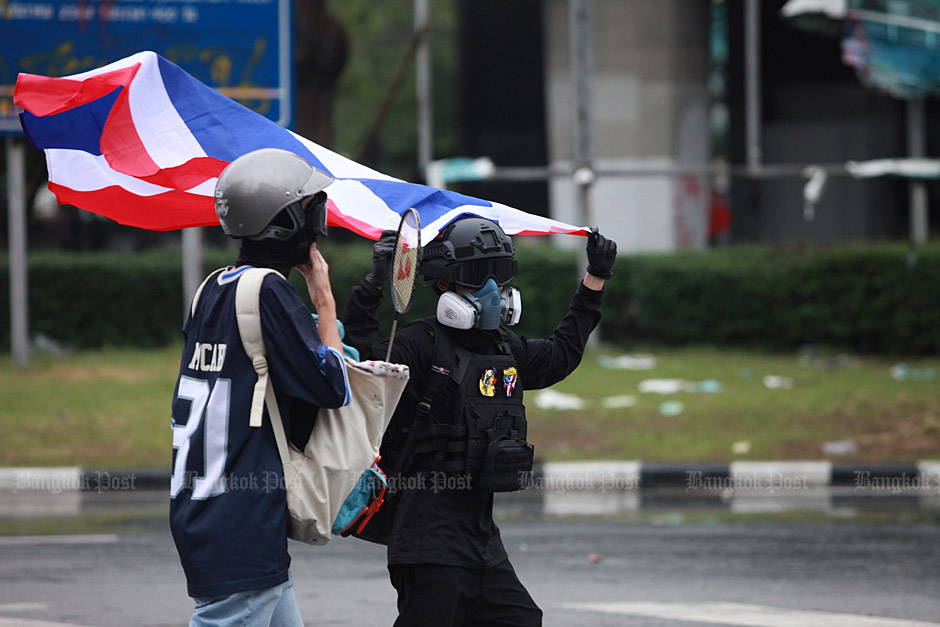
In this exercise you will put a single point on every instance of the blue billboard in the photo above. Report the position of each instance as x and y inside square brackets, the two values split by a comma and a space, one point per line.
[242, 48]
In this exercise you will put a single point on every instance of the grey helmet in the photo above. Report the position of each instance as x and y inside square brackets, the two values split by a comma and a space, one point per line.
[255, 187]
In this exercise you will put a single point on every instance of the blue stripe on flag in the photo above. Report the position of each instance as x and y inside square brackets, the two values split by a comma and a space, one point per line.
[78, 128]
[431, 203]
[225, 129]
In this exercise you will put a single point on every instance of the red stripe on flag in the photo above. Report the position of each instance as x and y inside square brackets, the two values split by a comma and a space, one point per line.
[555, 231]
[162, 212]
[120, 143]
[335, 217]
[188, 175]
[41, 95]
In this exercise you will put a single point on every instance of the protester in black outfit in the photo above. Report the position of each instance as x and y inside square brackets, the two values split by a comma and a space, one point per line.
[458, 432]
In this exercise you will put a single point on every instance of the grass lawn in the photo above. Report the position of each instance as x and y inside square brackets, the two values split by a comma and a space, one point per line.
[95, 409]
[820, 400]
[112, 409]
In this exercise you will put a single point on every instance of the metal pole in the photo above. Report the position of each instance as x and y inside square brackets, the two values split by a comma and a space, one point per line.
[752, 72]
[193, 271]
[917, 189]
[19, 280]
[581, 54]
[423, 86]
[580, 29]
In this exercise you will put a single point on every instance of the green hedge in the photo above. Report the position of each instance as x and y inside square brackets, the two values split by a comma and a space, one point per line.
[90, 300]
[874, 298]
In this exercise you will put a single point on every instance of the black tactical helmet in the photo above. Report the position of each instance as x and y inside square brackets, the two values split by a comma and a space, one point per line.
[468, 252]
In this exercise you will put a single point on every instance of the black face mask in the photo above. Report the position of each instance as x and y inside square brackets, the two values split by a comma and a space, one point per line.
[284, 254]
[270, 253]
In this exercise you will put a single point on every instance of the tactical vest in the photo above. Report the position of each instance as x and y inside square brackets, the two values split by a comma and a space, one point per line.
[483, 438]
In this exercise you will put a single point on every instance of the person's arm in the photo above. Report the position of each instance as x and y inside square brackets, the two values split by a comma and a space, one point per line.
[593, 283]
[546, 361]
[302, 365]
[316, 272]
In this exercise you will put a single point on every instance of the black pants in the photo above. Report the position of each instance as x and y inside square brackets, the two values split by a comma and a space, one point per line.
[433, 595]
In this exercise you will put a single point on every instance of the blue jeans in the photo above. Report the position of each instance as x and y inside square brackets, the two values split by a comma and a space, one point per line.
[270, 607]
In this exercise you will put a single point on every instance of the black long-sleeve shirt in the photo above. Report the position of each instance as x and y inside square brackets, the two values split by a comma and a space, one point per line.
[439, 520]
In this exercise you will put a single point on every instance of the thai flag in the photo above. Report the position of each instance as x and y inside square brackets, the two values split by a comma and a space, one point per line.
[142, 142]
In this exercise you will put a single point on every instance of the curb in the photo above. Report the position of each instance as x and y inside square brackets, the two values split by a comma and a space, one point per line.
[606, 475]
[77, 479]
[733, 475]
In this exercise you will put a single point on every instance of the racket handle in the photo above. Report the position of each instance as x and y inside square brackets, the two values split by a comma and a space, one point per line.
[391, 338]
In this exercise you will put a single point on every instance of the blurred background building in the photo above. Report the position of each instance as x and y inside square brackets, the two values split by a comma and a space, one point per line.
[673, 97]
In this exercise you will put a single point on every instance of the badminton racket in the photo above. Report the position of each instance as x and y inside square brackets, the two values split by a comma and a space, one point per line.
[404, 276]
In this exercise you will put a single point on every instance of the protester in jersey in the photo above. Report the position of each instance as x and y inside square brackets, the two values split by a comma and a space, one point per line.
[459, 431]
[228, 510]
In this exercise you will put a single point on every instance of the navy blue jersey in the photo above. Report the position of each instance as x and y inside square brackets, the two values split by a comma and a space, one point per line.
[228, 510]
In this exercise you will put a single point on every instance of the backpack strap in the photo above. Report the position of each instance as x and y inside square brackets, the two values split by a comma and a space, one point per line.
[441, 366]
[192, 307]
[248, 316]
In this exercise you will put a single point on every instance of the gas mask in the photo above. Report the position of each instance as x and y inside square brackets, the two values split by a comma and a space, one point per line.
[485, 308]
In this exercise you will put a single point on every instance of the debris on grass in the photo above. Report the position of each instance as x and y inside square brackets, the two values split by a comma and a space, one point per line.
[776, 382]
[618, 402]
[671, 408]
[628, 362]
[840, 447]
[552, 400]
[671, 386]
[901, 372]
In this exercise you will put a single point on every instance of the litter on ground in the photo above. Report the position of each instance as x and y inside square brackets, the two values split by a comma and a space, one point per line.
[671, 386]
[617, 402]
[558, 401]
[627, 362]
[901, 372]
[840, 447]
[776, 382]
[671, 408]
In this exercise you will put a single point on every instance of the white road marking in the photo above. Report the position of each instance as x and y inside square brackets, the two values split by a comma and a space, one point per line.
[22, 622]
[743, 614]
[89, 538]
[23, 607]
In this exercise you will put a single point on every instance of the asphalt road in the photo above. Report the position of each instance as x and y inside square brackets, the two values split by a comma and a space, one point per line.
[669, 568]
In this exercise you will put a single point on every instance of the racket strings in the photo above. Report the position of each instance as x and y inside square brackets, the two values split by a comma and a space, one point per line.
[405, 261]
[404, 273]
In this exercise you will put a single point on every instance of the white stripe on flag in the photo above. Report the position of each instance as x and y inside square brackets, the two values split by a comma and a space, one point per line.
[358, 201]
[165, 136]
[340, 166]
[83, 172]
[206, 188]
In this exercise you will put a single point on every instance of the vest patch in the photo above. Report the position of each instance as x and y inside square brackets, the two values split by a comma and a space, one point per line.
[488, 382]
[509, 380]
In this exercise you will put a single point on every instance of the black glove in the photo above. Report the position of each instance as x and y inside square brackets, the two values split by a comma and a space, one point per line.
[601, 253]
[382, 252]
